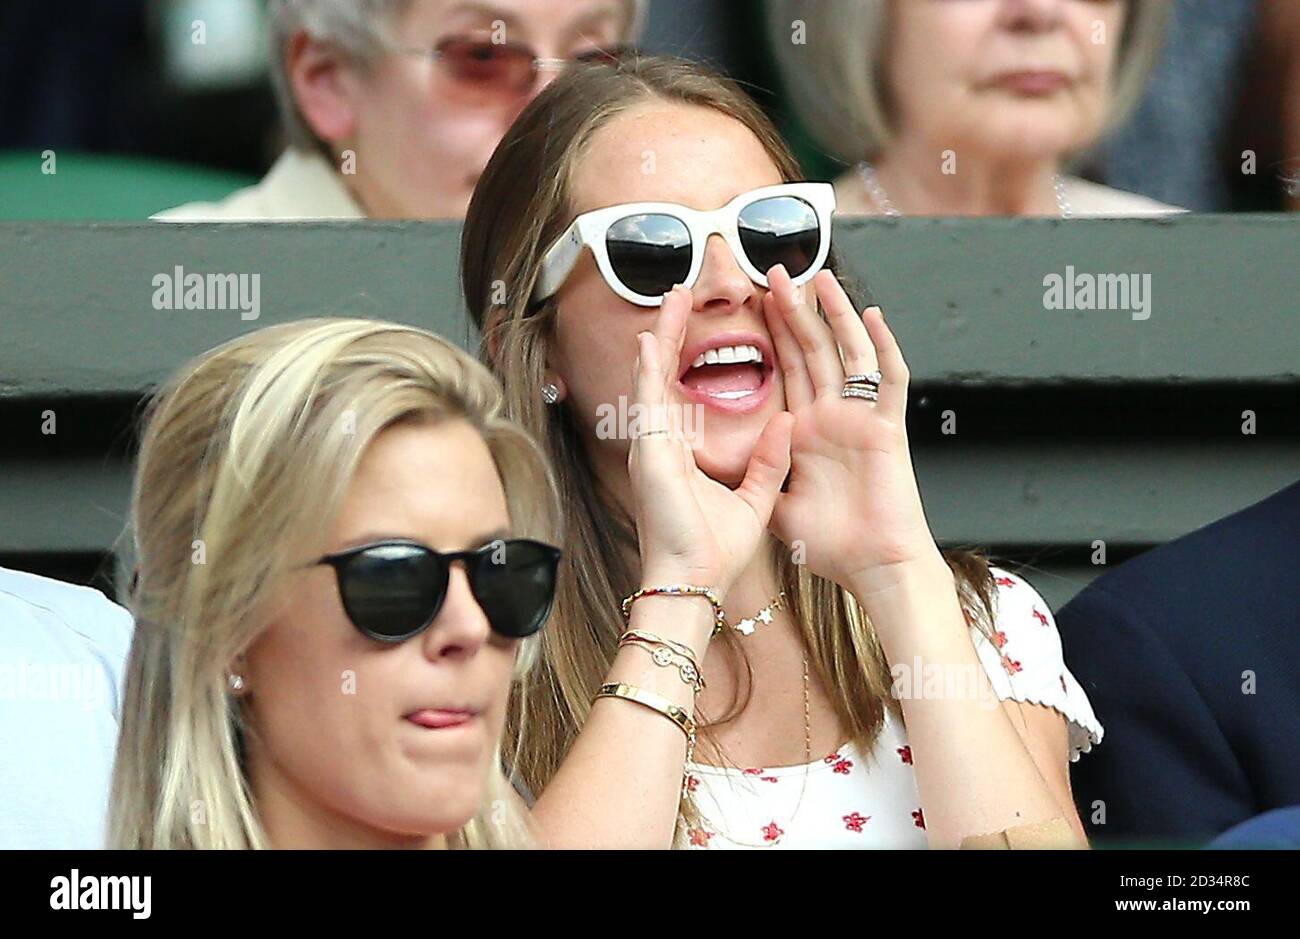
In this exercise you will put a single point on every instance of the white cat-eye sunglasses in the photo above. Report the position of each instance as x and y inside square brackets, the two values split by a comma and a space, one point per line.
[643, 249]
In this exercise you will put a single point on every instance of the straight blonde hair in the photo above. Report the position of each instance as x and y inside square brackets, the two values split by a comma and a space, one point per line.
[835, 74]
[246, 456]
[520, 205]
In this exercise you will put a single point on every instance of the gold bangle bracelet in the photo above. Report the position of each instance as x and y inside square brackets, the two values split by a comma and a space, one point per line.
[657, 703]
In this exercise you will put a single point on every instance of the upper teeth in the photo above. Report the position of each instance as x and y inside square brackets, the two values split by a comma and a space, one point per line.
[728, 355]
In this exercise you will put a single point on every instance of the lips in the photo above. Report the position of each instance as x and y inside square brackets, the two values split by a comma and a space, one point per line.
[1031, 82]
[730, 381]
[441, 719]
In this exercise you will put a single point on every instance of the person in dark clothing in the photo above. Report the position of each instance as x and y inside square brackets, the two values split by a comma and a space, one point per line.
[1189, 654]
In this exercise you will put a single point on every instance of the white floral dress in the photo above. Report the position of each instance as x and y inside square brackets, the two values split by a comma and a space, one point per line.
[852, 799]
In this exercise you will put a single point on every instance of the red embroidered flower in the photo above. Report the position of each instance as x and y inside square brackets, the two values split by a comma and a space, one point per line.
[1040, 616]
[918, 818]
[753, 772]
[692, 783]
[1010, 664]
[843, 767]
[833, 758]
[905, 753]
[771, 831]
[999, 639]
[768, 778]
[854, 821]
[700, 837]
[1004, 581]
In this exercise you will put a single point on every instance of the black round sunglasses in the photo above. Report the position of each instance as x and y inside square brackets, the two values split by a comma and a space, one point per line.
[392, 590]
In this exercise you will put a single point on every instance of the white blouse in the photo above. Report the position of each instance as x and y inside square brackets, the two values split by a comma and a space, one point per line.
[852, 799]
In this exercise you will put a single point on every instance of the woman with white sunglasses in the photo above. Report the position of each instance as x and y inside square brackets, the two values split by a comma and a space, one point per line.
[734, 662]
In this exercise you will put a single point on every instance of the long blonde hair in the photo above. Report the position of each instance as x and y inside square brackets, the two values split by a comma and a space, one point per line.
[528, 184]
[246, 456]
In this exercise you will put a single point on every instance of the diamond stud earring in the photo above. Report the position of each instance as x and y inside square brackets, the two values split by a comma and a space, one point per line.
[236, 682]
[550, 394]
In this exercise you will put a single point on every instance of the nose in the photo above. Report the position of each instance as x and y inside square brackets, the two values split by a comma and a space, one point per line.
[461, 627]
[722, 285]
[1032, 15]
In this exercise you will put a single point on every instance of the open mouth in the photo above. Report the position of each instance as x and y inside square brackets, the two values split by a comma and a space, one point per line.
[730, 377]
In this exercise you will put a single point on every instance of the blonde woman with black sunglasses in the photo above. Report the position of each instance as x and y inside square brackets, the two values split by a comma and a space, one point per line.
[344, 558]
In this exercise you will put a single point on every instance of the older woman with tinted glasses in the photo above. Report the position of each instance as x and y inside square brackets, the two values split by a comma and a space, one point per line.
[392, 107]
[967, 107]
[343, 563]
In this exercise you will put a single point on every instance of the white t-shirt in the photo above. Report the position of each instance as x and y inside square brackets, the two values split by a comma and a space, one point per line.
[852, 799]
[62, 652]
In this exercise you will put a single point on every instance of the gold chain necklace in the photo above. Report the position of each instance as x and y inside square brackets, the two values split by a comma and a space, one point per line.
[746, 627]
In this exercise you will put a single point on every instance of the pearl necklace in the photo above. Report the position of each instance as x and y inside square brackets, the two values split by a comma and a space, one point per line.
[877, 194]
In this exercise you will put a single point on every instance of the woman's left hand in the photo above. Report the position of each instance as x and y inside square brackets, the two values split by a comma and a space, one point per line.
[852, 507]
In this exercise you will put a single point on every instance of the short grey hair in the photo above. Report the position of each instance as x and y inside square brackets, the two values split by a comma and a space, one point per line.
[835, 78]
[360, 29]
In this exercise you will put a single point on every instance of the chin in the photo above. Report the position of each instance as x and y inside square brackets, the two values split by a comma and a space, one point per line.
[421, 818]
[1041, 137]
[726, 457]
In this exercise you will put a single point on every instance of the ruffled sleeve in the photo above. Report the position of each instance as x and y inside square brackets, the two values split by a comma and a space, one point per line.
[1025, 661]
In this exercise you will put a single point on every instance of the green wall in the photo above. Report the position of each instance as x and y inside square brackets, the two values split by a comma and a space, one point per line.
[1072, 426]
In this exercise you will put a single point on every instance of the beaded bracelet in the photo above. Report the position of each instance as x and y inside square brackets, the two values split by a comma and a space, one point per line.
[680, 590]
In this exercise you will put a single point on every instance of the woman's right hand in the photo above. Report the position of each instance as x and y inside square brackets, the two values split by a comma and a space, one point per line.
[691, 528]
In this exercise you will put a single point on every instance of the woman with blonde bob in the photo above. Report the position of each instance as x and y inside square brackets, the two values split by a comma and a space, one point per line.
[734, 662]
[970, 108]
[337, 583]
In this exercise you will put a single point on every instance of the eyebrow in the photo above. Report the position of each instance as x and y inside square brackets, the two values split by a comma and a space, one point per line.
[499, 534]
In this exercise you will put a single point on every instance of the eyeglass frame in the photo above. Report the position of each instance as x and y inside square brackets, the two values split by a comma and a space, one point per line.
[433, 53]
[590, 228]
[337, 560]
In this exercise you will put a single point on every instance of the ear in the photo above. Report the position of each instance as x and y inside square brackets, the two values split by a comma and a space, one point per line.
[324, 87]
[493, 340]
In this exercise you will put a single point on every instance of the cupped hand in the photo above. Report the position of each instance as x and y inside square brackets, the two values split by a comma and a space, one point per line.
[852, 509]
[690, 527]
